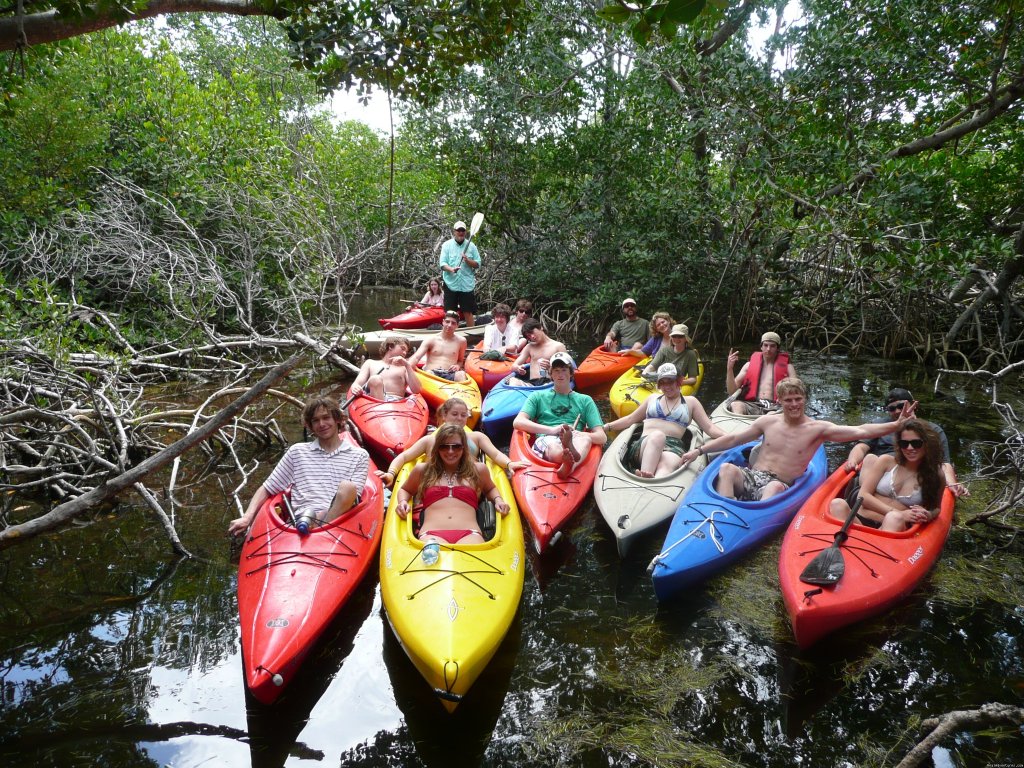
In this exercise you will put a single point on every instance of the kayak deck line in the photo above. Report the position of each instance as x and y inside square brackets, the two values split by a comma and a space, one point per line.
[444, 573]
[709, 521]
[671, 492]
[868, 547]
[558, 482]
[315, 558]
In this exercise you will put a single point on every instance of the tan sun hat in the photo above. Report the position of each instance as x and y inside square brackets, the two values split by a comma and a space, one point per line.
[773, 337]
[680, 329]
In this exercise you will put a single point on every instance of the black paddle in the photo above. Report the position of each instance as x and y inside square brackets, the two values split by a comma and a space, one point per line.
[828, 566]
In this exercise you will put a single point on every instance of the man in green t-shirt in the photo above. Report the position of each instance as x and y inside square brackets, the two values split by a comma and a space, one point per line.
[631, 332]
[566, 423]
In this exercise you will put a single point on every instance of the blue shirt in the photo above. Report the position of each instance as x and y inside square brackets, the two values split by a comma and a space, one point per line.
[451, 256]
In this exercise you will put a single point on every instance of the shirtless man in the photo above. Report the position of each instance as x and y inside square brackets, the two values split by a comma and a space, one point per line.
[757, 378]
[790, 440]
[539, 350]
[388, 378]
[444, 355]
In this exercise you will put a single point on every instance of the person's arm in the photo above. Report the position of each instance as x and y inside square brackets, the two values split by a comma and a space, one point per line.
[732, 383]
[411, 453]
[408, 491]
[726, 441]
[364, 374]
[489, 490]
[692, 370]
[362, 470]
[857, 455]
[460, 364]
[471, 256]
[841, 433]
[423, 350]
[612, 336]
[791, 371]
[490, 450]
[412, 381]
[699, 415]
[630, 418]
[592, 422]
[445, 261]
[241, 524]
[526, 424]
[876, 506]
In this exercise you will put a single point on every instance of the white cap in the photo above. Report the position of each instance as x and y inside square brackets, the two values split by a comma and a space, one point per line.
[629, 301]
[564, 358]
[459, 225]
[667, 371]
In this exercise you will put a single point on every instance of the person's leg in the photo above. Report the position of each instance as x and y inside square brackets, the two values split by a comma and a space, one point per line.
[839, 509]
[469, 307]
[650, 453]
[774, 488]
[375, 387]
[669, 463]
[343, 501]
[729, 482]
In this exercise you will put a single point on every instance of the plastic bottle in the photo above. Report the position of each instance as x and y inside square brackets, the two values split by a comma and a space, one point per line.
[302, 525]
[430, 553]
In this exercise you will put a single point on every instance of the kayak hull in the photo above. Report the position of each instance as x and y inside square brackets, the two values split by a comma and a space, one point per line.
[710, 532]
[414, 317]
[436, 391]
[881, 568]
[450, 617]
[290, 587]
[487, 373]
[631, 389]
[501, 406]
[601, 367]
[388, 428]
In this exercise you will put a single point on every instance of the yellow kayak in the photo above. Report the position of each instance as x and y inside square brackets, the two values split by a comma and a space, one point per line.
[436, 390]
[450, 617]
[631, 389]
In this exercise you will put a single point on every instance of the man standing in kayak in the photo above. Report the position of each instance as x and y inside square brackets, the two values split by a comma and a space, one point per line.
[459, 262]
[789, 441]
[444, 355]
[755, 383]
[553, 415]
[326, 475]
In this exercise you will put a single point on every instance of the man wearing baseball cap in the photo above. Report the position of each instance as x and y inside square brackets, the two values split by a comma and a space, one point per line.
[566, 423]
[630, 332]
[754, 385]
[863, 451]
[459, 262]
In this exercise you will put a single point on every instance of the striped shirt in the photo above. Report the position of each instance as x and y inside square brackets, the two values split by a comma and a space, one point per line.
[314, 474]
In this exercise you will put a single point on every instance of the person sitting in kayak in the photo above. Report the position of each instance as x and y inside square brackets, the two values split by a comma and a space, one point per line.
[627, 334]
[679, 353]
[540, 349]
[666, 415]
[499, 338]
[902, 489]
[391, 378]
[524, 311]
[789, 442]
[444, 354]
[453, 411]
[448, 487]
[434, 297]
[326, 475]
[659, 329]
[553, 415]
[754, 386]
[882, 446]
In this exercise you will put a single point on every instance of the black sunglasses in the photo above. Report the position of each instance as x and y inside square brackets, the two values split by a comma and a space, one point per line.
[452, 447]
[894, 407]
[916, 443]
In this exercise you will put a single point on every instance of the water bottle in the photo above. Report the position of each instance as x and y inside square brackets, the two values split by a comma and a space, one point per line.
[302, 525]
[431, 552]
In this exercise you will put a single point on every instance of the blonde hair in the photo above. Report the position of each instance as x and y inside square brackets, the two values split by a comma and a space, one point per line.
[660, 316]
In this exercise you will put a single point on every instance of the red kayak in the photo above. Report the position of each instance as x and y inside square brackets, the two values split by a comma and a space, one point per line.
[415, 317]
[290, 587]
[601, 367]
[548, 501]
[881, 567]
[389, 427]
[487, 373]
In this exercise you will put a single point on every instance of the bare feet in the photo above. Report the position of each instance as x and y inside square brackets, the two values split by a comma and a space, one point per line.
[566, 437]
[644, 473]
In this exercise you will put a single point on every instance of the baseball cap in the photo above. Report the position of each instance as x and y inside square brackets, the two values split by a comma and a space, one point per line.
[629, 301]
[459, 225]
[564, 359]
[772, 336]
[680, 330]
[898, 394]
[667, 371]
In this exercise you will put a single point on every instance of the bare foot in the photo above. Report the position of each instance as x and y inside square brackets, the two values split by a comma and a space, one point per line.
[565, 469]
[644, 473]
[566, 437]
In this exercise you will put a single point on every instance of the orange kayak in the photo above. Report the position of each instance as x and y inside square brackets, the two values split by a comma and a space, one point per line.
[389, 427]
[436, 390]
[290, 587]
[600, 367]
[881, 567]
[486, 373]
[548, 501]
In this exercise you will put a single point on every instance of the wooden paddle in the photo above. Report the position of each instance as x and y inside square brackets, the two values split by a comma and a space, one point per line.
[828, 566]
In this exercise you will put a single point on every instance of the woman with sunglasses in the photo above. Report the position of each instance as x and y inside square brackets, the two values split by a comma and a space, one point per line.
[453, 411]
[448, 487]
[904, 488]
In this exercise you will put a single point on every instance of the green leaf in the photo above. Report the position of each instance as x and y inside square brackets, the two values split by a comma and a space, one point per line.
[614, 13]
[684, 11]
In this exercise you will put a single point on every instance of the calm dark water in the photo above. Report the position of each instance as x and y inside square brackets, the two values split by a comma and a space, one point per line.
[111, 655]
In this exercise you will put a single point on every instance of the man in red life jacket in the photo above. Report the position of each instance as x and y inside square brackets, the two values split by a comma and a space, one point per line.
[757, 378]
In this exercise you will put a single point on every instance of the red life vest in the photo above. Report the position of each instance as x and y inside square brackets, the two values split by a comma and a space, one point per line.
[749, 389]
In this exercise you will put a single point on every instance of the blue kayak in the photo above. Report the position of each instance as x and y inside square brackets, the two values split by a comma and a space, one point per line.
[710, 532]
[501, 406]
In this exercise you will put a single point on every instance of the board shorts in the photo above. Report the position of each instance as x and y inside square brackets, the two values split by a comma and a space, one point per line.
[759, 407]
[672, 445]
[442, 373]
[391, 398]
[754, 481]
[456, 301]
[542, 442]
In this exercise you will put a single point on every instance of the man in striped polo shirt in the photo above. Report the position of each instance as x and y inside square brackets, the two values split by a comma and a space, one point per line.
[326, 475]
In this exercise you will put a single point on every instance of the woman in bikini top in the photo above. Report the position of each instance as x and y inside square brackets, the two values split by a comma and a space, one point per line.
[665, 416]
[902, 489]
[449, 486]
[452, 411]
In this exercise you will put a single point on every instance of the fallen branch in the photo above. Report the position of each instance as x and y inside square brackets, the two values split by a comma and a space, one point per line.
[945, 726]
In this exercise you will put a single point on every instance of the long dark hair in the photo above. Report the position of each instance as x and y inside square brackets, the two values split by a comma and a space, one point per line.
[466, 471]
[929, 471]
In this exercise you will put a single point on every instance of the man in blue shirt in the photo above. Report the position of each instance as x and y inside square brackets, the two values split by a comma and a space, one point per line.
[459, 262]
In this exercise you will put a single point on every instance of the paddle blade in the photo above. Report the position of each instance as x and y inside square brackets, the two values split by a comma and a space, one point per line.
[476, 223]
[828, 566]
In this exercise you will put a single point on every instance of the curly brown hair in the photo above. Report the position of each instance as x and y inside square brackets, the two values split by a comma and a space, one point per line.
[929, 471]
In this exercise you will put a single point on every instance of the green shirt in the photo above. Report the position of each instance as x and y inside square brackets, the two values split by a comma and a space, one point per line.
[551, 409]
[685, 361]
[629, 332]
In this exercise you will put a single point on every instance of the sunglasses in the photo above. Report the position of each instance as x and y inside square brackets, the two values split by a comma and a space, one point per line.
[918, 443]
[894, 407]
[452, 447]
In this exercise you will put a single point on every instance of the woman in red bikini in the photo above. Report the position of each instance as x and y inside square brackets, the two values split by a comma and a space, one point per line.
[449, 486]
